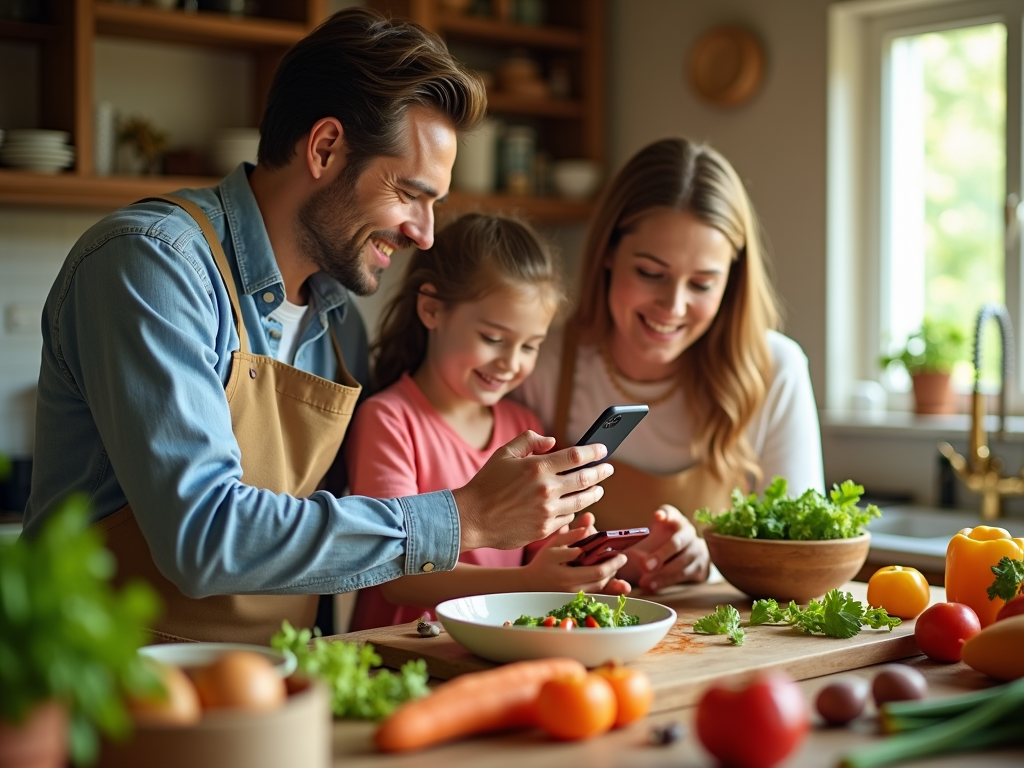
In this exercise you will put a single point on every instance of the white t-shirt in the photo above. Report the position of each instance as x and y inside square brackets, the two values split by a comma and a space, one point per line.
[290, 317]
[784, 433]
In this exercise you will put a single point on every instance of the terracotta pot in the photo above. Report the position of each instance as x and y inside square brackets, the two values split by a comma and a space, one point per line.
[41, 741]
[933, 393]
[787, 570]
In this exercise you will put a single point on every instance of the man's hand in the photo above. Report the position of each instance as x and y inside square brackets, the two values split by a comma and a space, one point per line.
[672, 553]
[519, 497]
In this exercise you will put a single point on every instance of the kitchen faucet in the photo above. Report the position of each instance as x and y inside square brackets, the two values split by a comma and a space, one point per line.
[981, 471]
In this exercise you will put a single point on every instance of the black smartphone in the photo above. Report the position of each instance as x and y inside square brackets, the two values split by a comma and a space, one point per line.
[602, 545]
[611, 428]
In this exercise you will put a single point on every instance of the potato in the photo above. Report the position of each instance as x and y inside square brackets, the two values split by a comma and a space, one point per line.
[998, 650]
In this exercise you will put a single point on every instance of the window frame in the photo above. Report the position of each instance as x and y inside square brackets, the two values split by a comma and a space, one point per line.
[859, 35]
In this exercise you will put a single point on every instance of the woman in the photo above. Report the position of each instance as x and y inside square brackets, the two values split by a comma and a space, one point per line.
[676, 311]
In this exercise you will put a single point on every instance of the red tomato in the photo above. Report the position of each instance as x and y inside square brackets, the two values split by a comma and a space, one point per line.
[1014, 607]
[755, 725]
[566, 623]
[592, 622]
[943, 628]
[549, 621]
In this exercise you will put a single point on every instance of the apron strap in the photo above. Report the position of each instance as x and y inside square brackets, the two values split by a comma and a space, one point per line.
[219, 257]
[565, 382]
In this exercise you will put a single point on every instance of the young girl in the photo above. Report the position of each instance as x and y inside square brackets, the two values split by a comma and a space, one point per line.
[463, 332]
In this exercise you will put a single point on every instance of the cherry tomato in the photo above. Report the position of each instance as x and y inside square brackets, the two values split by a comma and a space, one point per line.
[576, 707]
[903, 592]
[549, 621]
[942, 630]
[566, 623]
[592, 622]
[1014, 607]
[633, 691]
[755, 725]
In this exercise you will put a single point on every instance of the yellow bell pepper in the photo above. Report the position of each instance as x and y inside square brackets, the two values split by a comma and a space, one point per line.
[969, 559]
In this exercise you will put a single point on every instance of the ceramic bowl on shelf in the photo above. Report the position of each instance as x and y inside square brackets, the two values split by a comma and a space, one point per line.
[576, 179]
[787, 570]
[478, 624]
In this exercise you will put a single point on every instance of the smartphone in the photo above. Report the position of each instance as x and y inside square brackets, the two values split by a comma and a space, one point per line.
[602, 545]
[611, 429]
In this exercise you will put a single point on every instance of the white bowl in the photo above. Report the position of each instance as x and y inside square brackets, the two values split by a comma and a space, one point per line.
[201, 654]
[576, 179]
[477, 622]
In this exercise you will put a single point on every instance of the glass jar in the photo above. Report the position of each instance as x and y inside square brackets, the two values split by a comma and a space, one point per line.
[518, 156]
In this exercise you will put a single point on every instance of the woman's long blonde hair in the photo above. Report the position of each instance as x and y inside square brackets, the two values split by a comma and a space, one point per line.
[727, 371]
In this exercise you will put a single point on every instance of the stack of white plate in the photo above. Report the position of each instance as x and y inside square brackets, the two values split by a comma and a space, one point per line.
[37, 150]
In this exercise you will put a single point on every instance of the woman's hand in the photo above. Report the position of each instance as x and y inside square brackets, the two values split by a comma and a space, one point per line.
[671, 554]
[549, 571]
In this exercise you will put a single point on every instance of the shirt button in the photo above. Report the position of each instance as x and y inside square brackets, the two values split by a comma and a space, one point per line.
[268, 297]
[428, 567]
[274, 334]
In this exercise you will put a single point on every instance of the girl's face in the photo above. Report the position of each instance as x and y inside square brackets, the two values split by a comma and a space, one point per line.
[667, 280]
[481, 350]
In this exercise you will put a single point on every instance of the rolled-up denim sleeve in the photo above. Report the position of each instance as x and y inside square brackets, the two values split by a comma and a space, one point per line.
[136, 328]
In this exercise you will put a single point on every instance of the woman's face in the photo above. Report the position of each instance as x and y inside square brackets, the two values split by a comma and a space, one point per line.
[668, 276]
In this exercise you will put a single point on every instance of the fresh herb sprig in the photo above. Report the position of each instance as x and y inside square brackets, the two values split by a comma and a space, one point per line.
[809, 517]
[724, 621]
[345, 667]
[1009, 579]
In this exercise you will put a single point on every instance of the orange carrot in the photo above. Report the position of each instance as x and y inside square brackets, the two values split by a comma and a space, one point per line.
[476, 702]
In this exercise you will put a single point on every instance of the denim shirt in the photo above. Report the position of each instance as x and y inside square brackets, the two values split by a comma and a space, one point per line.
[138, 333]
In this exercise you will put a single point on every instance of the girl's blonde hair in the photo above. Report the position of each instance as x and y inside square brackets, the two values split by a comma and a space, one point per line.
[471, 257]
[727, 371]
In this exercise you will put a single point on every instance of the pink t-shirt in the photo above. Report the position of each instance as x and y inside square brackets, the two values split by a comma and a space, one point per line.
[399, 445]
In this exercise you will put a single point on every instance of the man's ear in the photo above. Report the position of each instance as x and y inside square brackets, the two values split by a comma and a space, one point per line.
[325, 148]
[428, 306]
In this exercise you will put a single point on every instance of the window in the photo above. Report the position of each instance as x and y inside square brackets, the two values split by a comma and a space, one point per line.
[924, 178]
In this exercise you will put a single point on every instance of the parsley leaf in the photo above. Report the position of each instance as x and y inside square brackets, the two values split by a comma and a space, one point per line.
[1009, 579]
[724, 621]
[838, 615]
[809, 517]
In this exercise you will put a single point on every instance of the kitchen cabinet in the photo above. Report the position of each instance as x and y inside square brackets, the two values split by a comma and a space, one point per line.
[65, 39]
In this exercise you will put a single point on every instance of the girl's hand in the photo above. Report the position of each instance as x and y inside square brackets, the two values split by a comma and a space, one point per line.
[548, 570]
[671, 554]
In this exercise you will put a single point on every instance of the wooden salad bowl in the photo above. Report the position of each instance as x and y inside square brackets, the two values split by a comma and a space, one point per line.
[787, 570]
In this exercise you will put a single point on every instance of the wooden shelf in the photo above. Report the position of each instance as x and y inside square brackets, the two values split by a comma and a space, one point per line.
[16, 30]
[509, 103]
[201, 28]
[483, 29]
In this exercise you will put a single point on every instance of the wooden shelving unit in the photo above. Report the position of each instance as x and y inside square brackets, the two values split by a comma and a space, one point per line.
[571, 126]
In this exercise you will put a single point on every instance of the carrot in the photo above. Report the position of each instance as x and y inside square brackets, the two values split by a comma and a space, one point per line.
[476, 702]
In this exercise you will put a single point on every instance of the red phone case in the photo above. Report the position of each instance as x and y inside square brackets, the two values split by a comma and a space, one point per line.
[602, 545]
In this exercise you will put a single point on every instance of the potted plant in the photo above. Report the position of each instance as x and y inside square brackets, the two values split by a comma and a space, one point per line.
[68, 643]
[929, 356]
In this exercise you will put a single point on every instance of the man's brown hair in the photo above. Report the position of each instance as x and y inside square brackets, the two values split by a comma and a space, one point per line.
[366, 71]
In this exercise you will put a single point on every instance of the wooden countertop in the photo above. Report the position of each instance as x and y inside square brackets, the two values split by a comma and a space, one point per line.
[353, 747]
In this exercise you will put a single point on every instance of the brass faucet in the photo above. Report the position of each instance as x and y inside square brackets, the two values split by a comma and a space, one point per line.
[981, 471]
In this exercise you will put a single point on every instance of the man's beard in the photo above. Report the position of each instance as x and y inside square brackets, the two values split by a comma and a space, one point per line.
[330, 235]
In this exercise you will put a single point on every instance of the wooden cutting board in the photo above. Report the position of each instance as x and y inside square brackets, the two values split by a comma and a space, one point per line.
[684, 663]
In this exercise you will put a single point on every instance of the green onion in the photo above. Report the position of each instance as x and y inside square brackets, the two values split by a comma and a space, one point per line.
[900, 716]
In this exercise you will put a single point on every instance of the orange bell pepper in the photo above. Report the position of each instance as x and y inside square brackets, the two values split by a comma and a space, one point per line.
[969, 559]
[903, 592]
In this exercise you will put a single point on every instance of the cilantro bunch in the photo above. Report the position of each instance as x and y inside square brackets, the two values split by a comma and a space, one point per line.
[580, 607]
[809, 517]
[345, 667]
[1009, 579]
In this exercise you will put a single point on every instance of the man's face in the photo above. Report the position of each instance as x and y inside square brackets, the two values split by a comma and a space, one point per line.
[350, 229]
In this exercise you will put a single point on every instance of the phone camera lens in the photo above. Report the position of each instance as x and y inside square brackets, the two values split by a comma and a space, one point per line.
[612, 421]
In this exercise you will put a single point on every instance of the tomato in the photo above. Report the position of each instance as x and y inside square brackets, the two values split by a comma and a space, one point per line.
[549, 621]
[633, 692]
[903, 592]
[591, 622]
[576, 707]
[1014, 607]
[942, 630]
[567, 623]
[755, 725]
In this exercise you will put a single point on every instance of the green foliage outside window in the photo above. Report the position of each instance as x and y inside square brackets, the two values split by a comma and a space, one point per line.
[936, 347]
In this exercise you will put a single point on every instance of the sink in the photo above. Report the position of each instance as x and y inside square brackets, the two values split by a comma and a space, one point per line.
[918, 536]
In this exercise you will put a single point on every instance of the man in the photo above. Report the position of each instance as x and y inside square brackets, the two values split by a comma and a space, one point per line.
[195, 380]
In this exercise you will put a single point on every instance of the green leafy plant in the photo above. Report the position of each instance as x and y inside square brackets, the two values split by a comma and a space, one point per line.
[1009, 579]
[809, 517]
[67, 635]
[345, 667]
[839, 614]
[582, 607]
[934, 348]
[724, 621]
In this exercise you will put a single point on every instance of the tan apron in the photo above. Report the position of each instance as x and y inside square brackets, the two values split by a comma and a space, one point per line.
[631, 495]
[289, 425]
